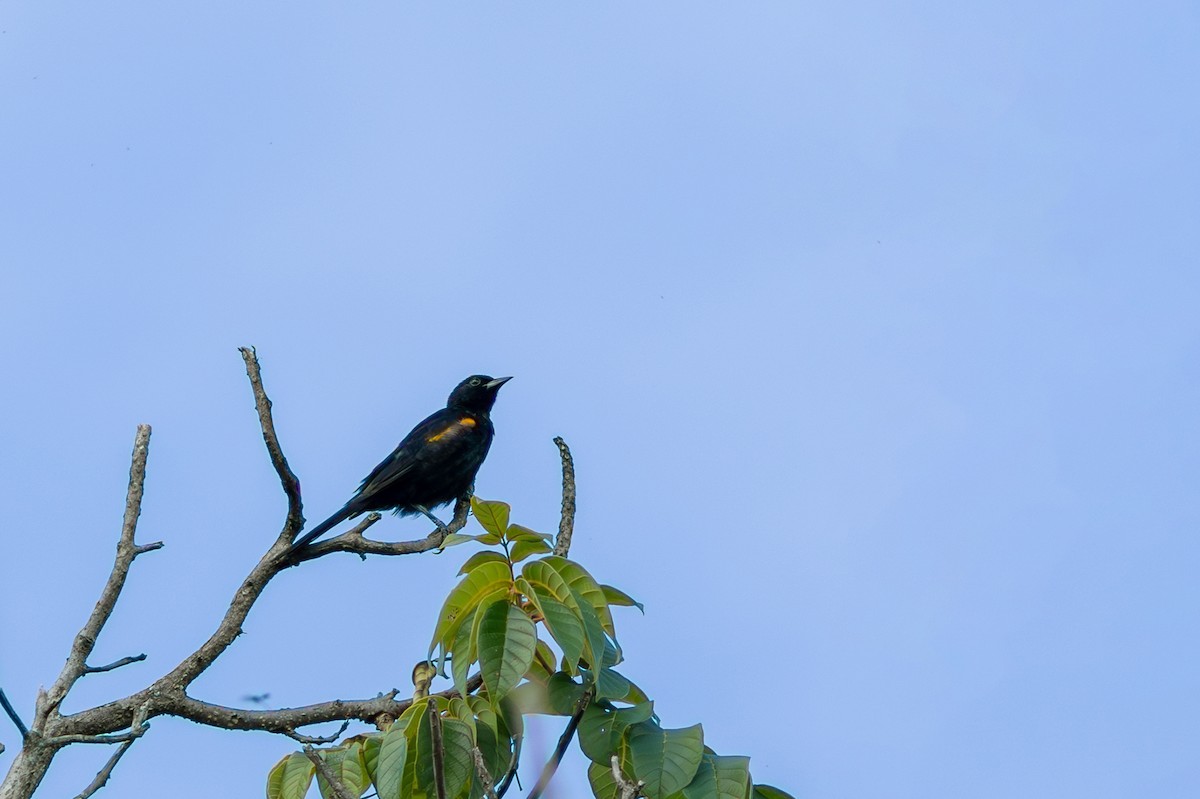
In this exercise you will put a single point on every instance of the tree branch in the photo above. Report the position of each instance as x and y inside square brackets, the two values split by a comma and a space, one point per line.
[625, 788]
[167, 695]
[485, 777]
[563, 742]
[283, 720]
[116, 664]
[318, 740]
[339, 788]
[353, 540]
[291, 484]
[102, 776]
[566, 525]
[85, 640]
[12, 714]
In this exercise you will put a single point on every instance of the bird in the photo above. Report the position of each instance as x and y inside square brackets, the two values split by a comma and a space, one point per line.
[434, 465]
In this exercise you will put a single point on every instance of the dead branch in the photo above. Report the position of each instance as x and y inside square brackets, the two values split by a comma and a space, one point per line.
[566, 525]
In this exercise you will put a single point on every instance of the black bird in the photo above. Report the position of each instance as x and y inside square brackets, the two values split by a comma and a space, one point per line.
[434, 464]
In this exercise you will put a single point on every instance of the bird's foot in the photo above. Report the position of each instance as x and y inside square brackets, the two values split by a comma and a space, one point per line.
[441, 526]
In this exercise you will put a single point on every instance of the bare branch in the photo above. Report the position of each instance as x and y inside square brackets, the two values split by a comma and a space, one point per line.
[566, 525]
[439, 752]
[291, 484]
[85, 641]
[323, 769]
[279, 721]
[12, 714]
[563, 742]
[625, 788]
[116, 664]
[142, 549]
[102, 776]
[317, 739]
[353, 540]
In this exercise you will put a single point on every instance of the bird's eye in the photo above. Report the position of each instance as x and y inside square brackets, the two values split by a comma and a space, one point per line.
[475, 381]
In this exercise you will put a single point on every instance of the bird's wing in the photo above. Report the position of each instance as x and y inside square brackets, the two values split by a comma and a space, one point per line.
[443, 429]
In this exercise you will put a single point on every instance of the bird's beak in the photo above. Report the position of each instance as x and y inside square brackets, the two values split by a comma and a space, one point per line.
[495, 384]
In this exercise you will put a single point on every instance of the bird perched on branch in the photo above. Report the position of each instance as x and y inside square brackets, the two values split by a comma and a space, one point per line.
[434, 464]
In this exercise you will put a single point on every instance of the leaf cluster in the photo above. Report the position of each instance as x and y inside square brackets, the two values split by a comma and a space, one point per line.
[540, 630]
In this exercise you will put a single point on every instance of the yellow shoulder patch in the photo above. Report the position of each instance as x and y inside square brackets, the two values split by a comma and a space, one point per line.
[466, 421]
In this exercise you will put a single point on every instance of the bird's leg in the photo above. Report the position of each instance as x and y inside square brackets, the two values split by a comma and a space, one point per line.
[441, 526]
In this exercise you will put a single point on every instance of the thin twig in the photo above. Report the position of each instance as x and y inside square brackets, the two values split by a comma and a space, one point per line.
[323, 769]
[102, 776]
[439, 752]
[563, 742]
[12, 714]
[291, 484]
[116, 664]
[85, 640]
[566, 525]
[317, 739]
[485, 777]
[137, 729]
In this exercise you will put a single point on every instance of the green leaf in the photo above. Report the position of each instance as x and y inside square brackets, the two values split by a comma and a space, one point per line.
[392, 760]
[665, 759]
[720, 777]
[561, 621]
[531, 698]
[454, 539]
[458, 764]
[507, 640]
[528, 546]
[517, 532]
[488, 581]
[420, 746]
[770, 792]
[346, 764]
[593, 631]
[612, 653]
[370, 754]
[636, 695]
[543, 663]
[601, 779]
[564, 693]
[290, 777]
[460, 710]
[479, 558]
[495, 745]
[464, 652]
[612, 685]
[585, 585]
[615, 596]
[492, 515]
[600, 729]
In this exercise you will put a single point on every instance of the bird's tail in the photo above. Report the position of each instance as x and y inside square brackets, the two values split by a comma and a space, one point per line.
[320, 529]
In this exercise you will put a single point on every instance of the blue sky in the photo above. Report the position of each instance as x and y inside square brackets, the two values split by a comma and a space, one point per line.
[874, 330]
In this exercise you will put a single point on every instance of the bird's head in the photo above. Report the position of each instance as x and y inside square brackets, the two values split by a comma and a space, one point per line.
[476, 393]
